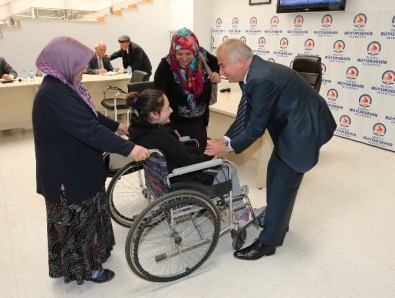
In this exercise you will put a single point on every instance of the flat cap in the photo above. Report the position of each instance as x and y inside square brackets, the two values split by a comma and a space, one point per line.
[124, 38]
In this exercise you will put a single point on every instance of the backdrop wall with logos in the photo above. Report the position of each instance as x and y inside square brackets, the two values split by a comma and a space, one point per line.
[358, 63]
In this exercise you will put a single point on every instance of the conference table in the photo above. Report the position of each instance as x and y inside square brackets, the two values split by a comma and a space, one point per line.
[222, 115]
[16, 98]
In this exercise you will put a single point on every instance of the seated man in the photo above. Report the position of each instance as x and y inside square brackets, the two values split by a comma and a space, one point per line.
[99, 63]
[6, 71]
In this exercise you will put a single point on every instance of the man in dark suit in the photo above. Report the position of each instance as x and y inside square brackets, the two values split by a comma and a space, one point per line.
[6, 71]
[132, 55]
[99, 63]
[298, 120]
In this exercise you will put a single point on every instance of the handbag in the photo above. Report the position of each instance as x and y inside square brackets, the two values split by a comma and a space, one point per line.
[214, 87]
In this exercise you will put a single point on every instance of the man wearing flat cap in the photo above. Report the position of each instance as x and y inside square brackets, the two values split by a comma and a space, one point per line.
[132, 55]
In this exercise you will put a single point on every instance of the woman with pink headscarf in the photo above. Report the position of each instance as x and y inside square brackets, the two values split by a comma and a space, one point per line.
[70, 136]
[181, 75]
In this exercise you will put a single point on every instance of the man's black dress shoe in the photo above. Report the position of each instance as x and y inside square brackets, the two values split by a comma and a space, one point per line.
[255, 251]
[107, 275]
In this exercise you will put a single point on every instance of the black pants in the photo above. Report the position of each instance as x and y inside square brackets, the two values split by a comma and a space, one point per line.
[281, 189]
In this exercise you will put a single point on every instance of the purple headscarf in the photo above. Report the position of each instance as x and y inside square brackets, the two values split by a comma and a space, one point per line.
[63, 58]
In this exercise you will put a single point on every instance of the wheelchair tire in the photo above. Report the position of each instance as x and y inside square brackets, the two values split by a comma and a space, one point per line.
[238, 238]
[127, 194]
[173, 236]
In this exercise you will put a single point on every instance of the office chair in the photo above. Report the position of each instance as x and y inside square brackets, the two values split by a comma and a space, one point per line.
[114, 99]
[117, 100]
[139, 76]
[140, 86]
[309, 67]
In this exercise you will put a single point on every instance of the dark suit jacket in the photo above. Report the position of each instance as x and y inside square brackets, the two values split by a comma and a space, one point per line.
[93, 65]
[296, 116]
[69, 141]
[5, 68]
[135, 57]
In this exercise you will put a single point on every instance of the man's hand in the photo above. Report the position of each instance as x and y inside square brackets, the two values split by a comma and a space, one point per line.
[216, 147]
[215, 78]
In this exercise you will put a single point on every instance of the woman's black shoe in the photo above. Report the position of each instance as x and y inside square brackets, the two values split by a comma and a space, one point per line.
[107, 275]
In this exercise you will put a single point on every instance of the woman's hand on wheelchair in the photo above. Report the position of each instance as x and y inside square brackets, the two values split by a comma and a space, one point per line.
[139, 153]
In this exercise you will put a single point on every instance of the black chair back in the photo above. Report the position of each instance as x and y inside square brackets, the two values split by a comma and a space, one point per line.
[139, 76]
[309, 67]
[140, 86]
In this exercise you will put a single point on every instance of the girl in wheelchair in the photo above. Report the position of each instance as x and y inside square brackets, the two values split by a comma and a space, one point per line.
[149, 128]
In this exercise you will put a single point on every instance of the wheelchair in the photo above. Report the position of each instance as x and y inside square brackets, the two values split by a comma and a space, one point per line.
[180, 228]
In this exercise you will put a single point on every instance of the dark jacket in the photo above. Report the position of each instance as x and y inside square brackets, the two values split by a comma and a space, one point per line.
[69, 142]
[177, 154]
[5, 68]
[297, 117]
[164, 80]
[134, 57]
[93, 65]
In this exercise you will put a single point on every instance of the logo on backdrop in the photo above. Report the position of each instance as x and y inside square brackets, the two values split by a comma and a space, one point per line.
[218, 27]
[298, 21]
[345, 121]
[339, 46]
[379, 130]
[273, 30]
[309, 44]
[261, 50]
[297, 31]
[282, 52]
[360, 20]
[352, 74]
[364, 102]
[253, 30]
[235, 27]
[374, 48]
[391, 33]
[372, 59]
[274, 21]
[253, 22]
[338, 57]
[343, 127]
[359, 31]
[327, 20]
[387, 84]
[332, 95]
[326, 23]
[388, 77]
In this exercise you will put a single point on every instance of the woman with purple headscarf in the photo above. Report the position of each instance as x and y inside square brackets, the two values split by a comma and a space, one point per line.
[70, 136]
[181, 75]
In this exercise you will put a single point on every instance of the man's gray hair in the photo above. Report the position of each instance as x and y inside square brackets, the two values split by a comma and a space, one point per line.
[234, 48]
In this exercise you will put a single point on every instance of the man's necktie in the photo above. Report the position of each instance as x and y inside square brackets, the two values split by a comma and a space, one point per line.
[241, 112]
[100, 63]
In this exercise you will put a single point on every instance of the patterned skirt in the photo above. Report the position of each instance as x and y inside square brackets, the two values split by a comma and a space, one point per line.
[80, 237]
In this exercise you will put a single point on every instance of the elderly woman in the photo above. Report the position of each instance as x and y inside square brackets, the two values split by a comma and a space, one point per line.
[181, 75]
[70, 136]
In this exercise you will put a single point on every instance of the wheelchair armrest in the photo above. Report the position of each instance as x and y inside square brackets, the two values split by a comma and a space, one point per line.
[197, 167]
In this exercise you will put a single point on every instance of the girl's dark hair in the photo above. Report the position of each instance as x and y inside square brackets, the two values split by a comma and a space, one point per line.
[149, 100]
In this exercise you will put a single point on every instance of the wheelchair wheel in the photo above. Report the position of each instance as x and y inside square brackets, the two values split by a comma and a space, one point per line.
[238, 238]
[127, 194]
[173, 236]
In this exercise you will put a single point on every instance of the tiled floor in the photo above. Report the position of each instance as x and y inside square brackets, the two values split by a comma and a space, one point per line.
[340, 243]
